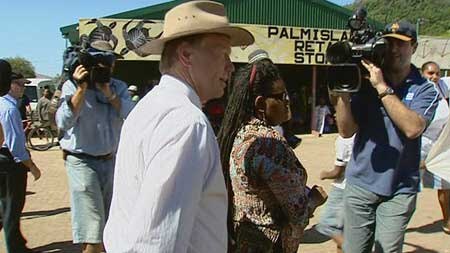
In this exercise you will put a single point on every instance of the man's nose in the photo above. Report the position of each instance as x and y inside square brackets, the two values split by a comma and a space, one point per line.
[392, 48]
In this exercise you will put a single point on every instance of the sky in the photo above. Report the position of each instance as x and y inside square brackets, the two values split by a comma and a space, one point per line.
[30, 29]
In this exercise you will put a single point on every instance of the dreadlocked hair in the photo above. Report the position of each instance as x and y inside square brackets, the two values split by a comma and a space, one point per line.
[241, 104]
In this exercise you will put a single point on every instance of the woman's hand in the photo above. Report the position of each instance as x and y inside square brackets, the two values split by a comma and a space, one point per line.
[317, 197]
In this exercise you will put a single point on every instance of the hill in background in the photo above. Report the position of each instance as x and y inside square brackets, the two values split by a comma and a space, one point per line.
[435, 13]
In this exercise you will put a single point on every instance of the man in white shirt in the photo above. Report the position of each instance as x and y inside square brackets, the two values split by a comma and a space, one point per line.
[169, 191]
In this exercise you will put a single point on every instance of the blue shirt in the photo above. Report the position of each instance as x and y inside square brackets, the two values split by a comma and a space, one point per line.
[95, 130]
[13, 129]
[384, 160]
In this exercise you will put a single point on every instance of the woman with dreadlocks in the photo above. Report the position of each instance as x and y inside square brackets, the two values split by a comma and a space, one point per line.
[270, 203]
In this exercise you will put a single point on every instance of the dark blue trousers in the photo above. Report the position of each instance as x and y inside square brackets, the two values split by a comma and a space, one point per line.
[13, 184]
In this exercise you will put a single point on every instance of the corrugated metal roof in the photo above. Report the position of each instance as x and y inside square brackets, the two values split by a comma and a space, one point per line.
[299, 13]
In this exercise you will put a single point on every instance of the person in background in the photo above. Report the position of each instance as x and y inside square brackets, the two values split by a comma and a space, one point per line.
[91, 115]
[322, 113]
[297, 123]
[214, 110]
[55, 102]
[15, 162]
[169, 190]
[270, 204]
[331, 221]
[23, 102]
[151, 83]
[431, 71]
[133, 90]
[43, 106]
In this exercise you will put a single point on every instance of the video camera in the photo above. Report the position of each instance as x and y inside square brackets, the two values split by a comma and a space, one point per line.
[97, 64]
[345, 73]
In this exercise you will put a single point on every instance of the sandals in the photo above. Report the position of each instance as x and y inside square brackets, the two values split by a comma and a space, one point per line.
[446, 230]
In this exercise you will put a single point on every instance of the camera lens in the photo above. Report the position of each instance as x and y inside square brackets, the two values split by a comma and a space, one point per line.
[339, 52]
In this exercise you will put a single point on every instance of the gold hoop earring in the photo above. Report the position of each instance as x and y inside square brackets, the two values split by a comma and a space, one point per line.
[263, 114]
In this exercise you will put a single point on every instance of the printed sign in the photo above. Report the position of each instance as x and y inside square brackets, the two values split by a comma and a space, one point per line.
[285, 45]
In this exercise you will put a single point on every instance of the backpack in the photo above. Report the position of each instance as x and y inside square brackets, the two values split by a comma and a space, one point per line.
[71, 59]
[70, 62]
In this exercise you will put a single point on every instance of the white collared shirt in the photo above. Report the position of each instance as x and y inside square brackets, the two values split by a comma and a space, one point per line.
[169, 191]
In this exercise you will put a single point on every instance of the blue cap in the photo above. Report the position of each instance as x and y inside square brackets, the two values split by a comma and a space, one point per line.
[402, 30]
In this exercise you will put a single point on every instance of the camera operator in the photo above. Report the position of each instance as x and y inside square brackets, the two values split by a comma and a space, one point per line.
[91, 115]
[388, 118]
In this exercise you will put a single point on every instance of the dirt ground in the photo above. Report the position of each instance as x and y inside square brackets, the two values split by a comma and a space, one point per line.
[46, 217]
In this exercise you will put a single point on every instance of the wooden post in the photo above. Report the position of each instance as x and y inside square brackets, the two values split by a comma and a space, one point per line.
[313, 95]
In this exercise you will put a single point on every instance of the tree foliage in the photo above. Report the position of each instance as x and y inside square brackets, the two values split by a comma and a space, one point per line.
[435, 13]
[22, 66]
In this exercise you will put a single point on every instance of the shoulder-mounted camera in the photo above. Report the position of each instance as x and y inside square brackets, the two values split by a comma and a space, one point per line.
[345, 73]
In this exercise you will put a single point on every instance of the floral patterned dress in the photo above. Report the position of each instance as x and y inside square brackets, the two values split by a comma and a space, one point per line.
[269, 186]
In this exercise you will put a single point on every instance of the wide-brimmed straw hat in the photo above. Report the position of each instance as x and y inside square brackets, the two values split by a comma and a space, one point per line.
[197, 17]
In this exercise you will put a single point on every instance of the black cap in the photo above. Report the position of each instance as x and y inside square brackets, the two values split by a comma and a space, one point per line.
[19, 77]
[402, 30]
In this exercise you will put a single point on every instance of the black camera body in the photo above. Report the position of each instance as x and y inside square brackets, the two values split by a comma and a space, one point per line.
[99, 69]
[345, 73]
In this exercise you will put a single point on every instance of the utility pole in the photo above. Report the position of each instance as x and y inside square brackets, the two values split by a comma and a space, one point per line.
[420, 21]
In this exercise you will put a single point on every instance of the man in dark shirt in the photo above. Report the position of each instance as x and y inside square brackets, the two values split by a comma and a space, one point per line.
[15, 162]
[388, 118]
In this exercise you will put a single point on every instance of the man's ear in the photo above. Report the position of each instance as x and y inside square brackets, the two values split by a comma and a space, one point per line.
[184, 54]
[260, 104]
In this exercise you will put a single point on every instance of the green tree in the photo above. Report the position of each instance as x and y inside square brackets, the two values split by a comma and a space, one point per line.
[435, 13]
[22, 66]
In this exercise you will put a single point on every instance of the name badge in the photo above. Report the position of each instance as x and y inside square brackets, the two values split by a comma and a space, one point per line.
[409, 96]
